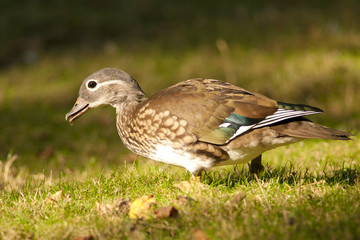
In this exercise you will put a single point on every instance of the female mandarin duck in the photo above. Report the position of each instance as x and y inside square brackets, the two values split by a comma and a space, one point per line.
[199, 123]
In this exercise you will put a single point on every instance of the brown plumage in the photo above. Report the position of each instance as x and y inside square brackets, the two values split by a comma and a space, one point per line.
[199, 123]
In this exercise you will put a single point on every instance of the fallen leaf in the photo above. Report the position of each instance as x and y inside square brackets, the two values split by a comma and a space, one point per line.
[120, 206]
[183, 185]
[55, 197]
[140, 208]
[89, 237]
[166, 212]
[104, 208]
[199, 235]
[185, 200]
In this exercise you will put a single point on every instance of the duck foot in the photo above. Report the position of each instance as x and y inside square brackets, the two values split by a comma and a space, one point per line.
[194, 184]
[195, 179]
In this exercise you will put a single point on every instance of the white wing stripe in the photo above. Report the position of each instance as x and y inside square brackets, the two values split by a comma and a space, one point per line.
[241, 130]
[281, 115]
[278, 116]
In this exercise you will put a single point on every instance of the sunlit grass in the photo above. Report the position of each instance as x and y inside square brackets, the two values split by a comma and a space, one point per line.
[306, 187]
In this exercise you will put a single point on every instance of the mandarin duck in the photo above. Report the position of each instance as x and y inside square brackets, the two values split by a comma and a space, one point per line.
[199, 123]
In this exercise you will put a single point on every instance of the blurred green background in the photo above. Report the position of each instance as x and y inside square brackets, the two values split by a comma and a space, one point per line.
[293, 51]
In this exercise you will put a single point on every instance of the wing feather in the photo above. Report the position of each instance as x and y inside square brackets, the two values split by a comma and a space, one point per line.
[218, 112]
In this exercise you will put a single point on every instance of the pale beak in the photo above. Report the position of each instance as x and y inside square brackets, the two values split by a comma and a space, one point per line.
[80, 107]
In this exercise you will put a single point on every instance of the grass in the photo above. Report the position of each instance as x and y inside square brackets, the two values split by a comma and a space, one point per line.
[307, 192]
[304, 54]
[311, 189]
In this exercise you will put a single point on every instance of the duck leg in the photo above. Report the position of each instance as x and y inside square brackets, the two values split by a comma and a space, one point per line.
[255, 166]
[196, 177]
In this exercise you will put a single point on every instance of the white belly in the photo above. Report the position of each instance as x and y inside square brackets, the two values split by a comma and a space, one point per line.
[192, 163]
[238, 156]
[254, 149]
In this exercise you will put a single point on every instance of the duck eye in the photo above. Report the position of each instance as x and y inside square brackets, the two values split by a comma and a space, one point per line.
[92, 84]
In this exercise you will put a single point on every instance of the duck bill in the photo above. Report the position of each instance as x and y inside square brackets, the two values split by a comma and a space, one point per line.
[79, 108]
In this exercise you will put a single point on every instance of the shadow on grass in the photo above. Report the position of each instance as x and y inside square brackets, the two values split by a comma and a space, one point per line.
[345, 176]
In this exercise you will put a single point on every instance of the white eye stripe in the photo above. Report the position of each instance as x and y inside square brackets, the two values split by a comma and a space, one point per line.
[112, 82]
[101, 84]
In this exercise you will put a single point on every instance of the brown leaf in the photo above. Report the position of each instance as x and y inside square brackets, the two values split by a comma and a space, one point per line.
[166, 212]
[55, 197]
[89, 237]
[104, 208]
[183, 185]
[120, 206]
[199, 235]
[185, 200]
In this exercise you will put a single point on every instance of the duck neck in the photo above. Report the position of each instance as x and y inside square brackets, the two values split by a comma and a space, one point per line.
[125, 113]
[128, 106]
